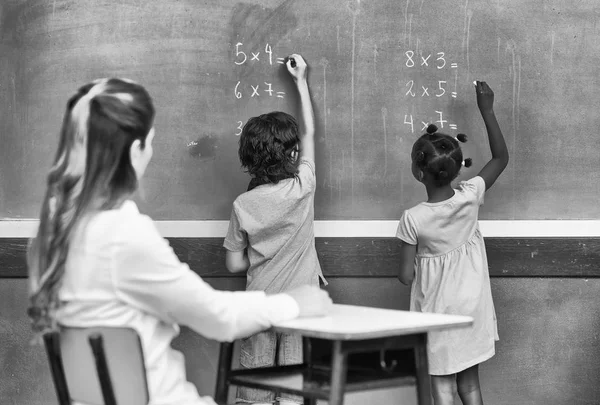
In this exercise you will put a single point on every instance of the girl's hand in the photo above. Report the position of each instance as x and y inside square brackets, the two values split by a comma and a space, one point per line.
[485, 97]
[297, 67]
[311, 300]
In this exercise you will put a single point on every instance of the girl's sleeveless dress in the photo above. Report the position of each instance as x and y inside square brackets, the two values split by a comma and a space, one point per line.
[451, 276]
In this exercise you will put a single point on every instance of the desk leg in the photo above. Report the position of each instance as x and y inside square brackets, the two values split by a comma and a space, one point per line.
[339, 370]
[307, 356]
[423, 379]
[225, 358]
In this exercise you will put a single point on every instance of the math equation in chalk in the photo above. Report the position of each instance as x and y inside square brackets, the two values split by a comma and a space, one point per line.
[424, 88]
[258, 89]
[242, 57]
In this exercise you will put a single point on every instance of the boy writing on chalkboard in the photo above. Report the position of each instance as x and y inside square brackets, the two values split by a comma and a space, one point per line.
[271, 232]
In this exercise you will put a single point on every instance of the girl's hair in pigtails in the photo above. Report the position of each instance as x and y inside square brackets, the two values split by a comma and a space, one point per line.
[439, 155]
[92, 161]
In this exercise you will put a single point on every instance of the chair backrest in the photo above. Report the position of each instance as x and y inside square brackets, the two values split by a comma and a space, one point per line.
[124, 361]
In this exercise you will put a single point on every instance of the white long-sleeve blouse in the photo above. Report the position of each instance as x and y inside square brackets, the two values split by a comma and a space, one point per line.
[121, 272]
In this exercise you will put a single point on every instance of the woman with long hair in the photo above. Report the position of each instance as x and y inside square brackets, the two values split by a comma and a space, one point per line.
[97, 261]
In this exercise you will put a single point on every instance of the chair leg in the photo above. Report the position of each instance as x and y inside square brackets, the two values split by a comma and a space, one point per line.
[224, 367]
[97, 344]
[423, 379]
[52, 344]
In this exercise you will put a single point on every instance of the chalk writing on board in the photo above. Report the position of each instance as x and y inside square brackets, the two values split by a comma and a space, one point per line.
[440, 121]
[242, 57]
[440, 61]
[426, 91]
[257, 89]
[438, 90]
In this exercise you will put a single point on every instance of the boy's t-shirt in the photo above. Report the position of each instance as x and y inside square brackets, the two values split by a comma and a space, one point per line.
[276, 223]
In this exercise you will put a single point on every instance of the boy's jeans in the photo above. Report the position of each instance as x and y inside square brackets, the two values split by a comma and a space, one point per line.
[266, 349]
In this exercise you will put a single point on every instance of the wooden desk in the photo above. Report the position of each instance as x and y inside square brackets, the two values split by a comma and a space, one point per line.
[352, 349]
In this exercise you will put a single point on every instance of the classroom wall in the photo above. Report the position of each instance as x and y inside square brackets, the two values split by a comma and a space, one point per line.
[547, 354]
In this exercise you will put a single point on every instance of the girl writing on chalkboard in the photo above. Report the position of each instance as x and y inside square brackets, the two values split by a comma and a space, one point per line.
[443, 255]
[97, 261]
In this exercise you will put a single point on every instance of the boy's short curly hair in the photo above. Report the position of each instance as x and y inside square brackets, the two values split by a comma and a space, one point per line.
[266, 146]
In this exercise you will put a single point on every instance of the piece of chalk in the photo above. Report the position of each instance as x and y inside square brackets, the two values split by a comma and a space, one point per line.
[474, 83]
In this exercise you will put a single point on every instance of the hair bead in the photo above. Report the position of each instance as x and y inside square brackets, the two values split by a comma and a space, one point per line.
[461, 138]
[467, 162]
[432, 128]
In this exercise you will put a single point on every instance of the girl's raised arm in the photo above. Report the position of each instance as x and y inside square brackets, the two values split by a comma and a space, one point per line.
[499, 160]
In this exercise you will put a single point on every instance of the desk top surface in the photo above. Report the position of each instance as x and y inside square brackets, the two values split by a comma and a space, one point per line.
[350, 322]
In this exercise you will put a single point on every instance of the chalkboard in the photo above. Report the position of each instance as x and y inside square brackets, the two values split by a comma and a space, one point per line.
[379, 70]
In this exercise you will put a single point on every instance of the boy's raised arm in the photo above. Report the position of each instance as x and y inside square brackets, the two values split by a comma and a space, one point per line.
[299, 71]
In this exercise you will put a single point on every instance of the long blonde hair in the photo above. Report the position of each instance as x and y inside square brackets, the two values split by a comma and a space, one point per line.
[91, 171]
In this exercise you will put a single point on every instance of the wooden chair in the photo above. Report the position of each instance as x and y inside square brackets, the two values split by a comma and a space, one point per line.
[97, 366]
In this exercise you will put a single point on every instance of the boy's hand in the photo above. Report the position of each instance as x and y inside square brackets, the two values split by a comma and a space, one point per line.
[297, 67]
[311, 300]
[485, 97]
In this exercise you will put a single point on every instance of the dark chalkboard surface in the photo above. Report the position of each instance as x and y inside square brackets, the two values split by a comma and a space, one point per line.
[379, 69]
